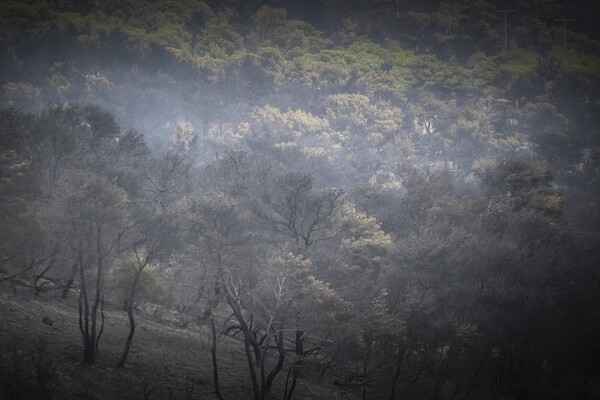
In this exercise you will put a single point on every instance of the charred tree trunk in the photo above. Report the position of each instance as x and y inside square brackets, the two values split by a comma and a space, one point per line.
[89, 352]
[249, 347]
[84, 315]
[101, 321]
[268, 383]
[129, 339]
[94, 312]
[129, 308]
[213, 352]
[397, 374]
[297, 364]
[88, 315]
[365, 375]
[99, 289]
[70, 281]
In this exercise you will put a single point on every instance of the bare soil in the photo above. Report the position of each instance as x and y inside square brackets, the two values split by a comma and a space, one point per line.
[165, 362]
[43, 361]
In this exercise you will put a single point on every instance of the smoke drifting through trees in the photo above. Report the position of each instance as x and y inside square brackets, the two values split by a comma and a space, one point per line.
[386, 204]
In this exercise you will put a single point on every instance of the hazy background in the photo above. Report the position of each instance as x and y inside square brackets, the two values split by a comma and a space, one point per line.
[425, 174]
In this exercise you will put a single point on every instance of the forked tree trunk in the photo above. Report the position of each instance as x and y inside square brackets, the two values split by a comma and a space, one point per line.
[87, 315]
[213, 352]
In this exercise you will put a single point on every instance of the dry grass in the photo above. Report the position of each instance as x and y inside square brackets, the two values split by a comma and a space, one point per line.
[43, 361]
[165, 362]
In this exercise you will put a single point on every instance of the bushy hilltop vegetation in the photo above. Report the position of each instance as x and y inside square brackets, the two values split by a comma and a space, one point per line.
[158, 64]
[385, 197]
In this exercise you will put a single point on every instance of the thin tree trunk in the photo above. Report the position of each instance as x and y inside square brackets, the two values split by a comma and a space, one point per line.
[297, 365]
[70, 281]
[248, 346]
[232, 300]
[213, 352]
[278, 366]
[130, 302]
[293, 385]
[253, 376]
[287, 381]
[101, 321]
[84, 314]
[80, 309]
[397, 374]
[365, 374]
[99, 288]
[129, 339]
